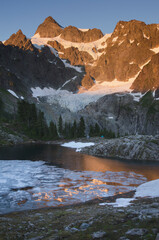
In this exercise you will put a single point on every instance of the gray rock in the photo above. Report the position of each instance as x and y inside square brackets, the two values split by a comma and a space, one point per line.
[84, 226]
[137, 232]
[157, 237]
[132, 147]
[124, 238]
[37, 238]
[155, 230]
[98, 234]
[73, 230]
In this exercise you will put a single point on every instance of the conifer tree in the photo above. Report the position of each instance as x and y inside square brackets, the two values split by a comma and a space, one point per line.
[60, 126]
[74, 129]
[53, 131]
[81, 128]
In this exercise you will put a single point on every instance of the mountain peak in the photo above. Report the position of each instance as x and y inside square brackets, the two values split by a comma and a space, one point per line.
[51, 20]
[20, 40]
[19, 32]
[49, 28]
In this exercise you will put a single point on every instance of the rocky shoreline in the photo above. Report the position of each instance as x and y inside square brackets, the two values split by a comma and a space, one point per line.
[88, 220]
[137, 147]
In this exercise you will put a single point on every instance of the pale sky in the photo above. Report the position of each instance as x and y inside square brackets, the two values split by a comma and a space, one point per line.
[102, 14]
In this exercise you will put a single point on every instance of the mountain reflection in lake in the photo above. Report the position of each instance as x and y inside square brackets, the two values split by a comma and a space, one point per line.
[50, 175]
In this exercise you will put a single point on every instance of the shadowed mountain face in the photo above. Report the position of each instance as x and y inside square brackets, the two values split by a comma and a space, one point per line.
[23, 66]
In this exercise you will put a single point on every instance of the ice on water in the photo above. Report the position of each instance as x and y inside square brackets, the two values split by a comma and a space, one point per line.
[33, 184]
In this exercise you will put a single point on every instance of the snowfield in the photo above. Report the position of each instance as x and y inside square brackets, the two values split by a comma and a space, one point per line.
[76, 102]
[86, 47]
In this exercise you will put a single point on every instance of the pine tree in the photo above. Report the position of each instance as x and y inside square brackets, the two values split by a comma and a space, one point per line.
[1, 107]
[52, 131]
[60, 126]
[81, 128]
[74, 129]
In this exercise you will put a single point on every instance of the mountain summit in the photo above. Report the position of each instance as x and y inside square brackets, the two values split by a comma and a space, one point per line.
[49, 28]
[19, 39]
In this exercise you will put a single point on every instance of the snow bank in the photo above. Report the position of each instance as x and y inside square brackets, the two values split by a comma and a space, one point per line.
[120, 202]
[87, 47]
[77, 145]
[155, 50]
[148, 189]
[13, 93]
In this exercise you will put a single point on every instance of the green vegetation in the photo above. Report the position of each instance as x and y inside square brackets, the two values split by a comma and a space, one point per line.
[96, 131]
[31, 122]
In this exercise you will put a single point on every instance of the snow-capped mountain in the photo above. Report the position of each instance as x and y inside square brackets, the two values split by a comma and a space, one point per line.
[67, 71]
[119, 56]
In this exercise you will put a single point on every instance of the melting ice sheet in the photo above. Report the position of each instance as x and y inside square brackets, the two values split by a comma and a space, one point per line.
[28, 184]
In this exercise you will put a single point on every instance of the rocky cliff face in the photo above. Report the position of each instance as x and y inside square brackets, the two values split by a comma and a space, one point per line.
[20, 40]
[73, 34]
[128, 49]
[129, 54]
[120, 56]
[149, 76]
[23, 67]
[124, 116]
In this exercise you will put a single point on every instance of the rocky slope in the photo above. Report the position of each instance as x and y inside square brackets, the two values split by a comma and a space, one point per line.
[53, 60]
[86, 221]
[23, 66]
[124, 116]
[120, 55]
[142, 148]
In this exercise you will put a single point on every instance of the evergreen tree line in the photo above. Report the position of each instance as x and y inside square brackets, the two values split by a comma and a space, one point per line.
[34, 125]
[33, 122]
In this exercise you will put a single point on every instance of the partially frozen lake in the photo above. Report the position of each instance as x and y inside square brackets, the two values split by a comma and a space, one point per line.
[35, 176]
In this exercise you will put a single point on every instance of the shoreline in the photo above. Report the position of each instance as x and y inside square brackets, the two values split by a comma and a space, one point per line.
[81, 221]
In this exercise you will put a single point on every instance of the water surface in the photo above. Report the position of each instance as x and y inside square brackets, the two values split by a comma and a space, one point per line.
[39, 175]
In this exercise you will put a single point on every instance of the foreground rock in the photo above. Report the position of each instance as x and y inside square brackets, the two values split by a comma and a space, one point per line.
[140, 147]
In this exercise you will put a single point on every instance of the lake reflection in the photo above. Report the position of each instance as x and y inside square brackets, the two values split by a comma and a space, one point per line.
[63, 176]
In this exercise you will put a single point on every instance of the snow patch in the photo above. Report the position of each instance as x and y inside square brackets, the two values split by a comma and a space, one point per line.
[83, 30]
[114, 39]
[148, 189]
[38, 92]
[147, 37]
[120, 202]
[137, 96]
[131, 41]
[120, 43]
[70, 80]
[141, 67]
[68, 65]
[87, 47]
[77, 145]
[13, 93]
[155, 50]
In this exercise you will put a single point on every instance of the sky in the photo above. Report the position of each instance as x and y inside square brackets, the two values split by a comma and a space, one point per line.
[102, 14]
